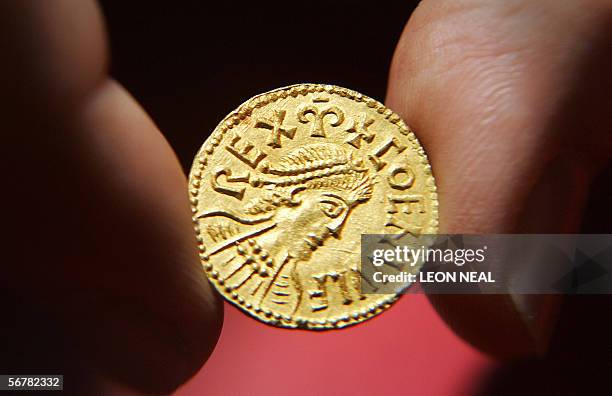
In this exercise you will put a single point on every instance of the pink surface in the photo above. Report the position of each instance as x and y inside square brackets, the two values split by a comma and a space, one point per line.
[406, 350]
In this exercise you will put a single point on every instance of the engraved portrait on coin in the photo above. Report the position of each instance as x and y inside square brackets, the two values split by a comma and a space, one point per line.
[283, 190]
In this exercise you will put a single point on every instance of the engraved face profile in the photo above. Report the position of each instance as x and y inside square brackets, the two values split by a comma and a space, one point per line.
[302, 199]
[311, 191]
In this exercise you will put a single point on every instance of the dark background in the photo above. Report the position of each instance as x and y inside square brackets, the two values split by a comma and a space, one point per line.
[190, 63]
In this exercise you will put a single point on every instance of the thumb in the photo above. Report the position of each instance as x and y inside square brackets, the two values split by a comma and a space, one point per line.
[509, 100]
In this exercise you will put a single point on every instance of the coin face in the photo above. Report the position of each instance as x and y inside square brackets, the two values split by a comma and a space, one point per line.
[284, 188]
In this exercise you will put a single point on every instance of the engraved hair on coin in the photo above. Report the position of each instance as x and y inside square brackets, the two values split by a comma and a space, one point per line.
[322, 182]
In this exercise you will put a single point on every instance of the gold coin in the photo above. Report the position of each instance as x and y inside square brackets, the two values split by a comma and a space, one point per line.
[284, 188]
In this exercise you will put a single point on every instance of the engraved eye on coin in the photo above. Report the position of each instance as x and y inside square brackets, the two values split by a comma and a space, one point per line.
[284, 188]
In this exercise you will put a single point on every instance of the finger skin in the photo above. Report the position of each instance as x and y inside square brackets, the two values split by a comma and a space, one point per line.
[495, 92]
[102, 241]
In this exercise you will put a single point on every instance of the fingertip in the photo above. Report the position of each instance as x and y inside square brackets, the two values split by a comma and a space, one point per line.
[148, 352]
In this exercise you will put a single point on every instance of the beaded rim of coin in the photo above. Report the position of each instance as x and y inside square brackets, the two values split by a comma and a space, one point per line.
[234, 119]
